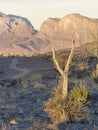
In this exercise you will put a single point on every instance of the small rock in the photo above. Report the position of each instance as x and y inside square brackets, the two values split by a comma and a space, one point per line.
[13, 122]
[53, 126]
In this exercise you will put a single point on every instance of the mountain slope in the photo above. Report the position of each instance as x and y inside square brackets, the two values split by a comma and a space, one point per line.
[58, 32]
[18, 36]
[15, 32]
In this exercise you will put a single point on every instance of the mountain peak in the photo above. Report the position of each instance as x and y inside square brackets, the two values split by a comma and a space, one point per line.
[18, 37]
[19, 17]
[74, 15]
[2, 14]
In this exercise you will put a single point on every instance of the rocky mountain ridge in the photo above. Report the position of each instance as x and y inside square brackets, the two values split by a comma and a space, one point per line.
[18, 36]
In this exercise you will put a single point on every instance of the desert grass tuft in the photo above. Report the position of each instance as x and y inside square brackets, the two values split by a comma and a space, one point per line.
[69, 109]
[94, 75]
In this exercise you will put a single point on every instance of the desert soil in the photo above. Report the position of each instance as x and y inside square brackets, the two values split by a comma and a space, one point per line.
[25, 83]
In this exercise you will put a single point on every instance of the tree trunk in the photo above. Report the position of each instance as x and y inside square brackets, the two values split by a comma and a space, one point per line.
[64, 73]
[97, 69]
[65, 85]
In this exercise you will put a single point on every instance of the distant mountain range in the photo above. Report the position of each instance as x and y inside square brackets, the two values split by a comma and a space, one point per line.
[19, 38]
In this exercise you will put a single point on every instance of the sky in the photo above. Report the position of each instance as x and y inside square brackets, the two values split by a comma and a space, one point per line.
[38, 11]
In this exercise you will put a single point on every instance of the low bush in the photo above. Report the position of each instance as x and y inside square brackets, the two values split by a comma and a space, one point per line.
[39, 86]
[69, 109]
[94, 75]
[75, 102]
[80, 94]
[55, 106]
[56, 110]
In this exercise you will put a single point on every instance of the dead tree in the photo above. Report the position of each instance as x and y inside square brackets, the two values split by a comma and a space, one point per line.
[64, 73]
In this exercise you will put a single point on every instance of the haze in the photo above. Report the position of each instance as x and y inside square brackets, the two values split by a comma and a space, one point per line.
[39, 10]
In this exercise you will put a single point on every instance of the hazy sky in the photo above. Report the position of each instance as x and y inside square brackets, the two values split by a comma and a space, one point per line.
[38, 11]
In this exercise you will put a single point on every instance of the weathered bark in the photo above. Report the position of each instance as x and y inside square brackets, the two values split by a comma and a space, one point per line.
[97, 69]
[70, 58]
[64, 73]
[56, 63]
[65, 86]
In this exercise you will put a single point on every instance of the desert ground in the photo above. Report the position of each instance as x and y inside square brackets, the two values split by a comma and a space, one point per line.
[26, 82]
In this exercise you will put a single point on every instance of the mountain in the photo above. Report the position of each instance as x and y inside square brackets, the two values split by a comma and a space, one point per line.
[58, 32]
[15, 33]
[18, 36]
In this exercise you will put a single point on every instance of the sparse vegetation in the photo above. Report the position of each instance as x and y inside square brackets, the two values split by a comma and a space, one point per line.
[37, 78]
[39, 86]
[69, 109]
[55, 107]
[64, 106]
[80, 94]
[31, 90]
[64, 72]
[94, 75]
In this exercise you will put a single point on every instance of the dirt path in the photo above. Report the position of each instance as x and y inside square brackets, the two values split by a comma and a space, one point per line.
[22, 71]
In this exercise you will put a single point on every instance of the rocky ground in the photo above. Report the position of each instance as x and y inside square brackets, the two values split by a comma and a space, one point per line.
[25, 83]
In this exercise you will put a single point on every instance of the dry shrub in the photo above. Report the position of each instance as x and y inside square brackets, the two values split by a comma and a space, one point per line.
[55, 106]
[38, 124]
[83, 66]
[94, 75]
[39, 86]
[69, 109]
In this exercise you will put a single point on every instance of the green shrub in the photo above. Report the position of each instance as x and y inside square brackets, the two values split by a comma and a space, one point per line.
[69, 109]
[79, 94]
[75, 102]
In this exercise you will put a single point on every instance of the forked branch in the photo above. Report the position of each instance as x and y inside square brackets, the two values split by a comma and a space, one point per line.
[56, 63]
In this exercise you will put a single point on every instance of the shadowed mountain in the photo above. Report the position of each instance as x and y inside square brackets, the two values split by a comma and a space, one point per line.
[18, 36]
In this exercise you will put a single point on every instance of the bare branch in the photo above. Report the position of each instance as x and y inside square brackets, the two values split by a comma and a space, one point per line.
[70, 57]
[56, 63]
[64, 73]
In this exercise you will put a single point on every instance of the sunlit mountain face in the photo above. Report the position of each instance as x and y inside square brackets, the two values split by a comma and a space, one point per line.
[18, 36]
